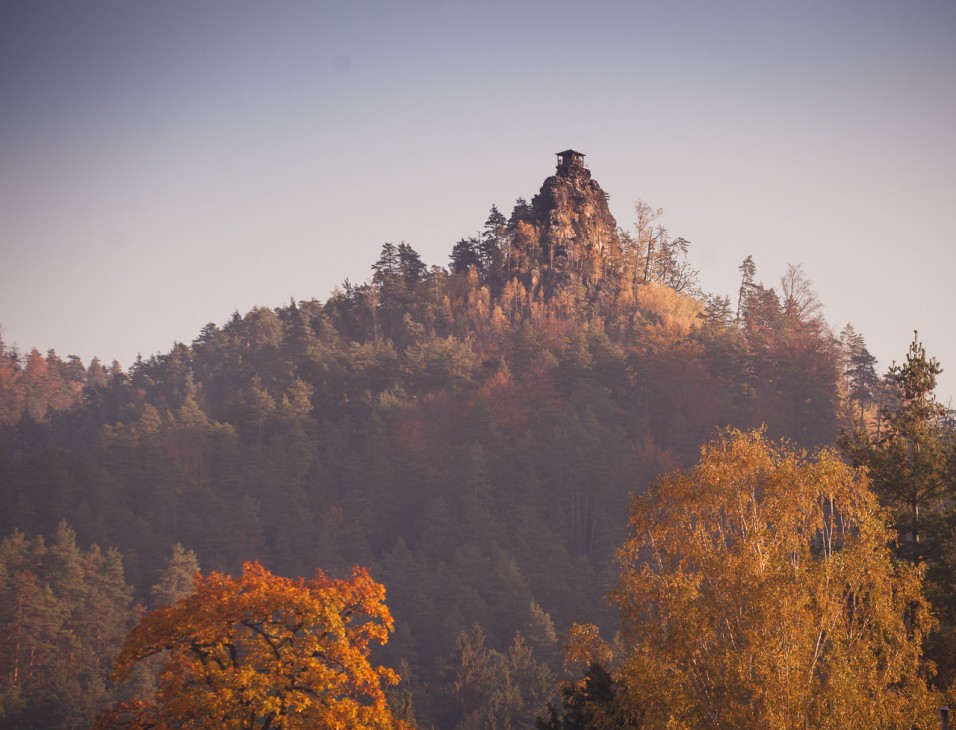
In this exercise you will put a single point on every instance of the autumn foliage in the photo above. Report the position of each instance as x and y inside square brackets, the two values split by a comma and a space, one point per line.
[472, 433]
[758, 590]
[263, 652]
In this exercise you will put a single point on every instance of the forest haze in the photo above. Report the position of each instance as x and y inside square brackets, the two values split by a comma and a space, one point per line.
[471, 433]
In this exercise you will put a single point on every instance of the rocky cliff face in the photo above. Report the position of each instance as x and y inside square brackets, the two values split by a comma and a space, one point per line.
[568, 227]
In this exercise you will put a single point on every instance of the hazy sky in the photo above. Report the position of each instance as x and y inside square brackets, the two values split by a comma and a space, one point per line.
[163, 164]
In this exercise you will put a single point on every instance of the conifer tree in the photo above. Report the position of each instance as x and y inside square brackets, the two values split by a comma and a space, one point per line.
[465, 255]
[493, 248]
[63, 615]
[176, 580]
[910, 459]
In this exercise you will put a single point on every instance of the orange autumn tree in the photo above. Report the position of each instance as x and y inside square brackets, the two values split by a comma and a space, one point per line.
[262, 652]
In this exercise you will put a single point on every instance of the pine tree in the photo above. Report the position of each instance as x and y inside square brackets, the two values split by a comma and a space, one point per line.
[748, 272]
[63, 615]
[465, 255]
[909, 460]
[494, 245]
[176, 579]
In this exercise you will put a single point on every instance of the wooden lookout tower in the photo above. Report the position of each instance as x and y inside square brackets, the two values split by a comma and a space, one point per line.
[570, 160]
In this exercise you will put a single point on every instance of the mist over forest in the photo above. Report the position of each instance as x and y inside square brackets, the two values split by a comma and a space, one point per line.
[555, 452]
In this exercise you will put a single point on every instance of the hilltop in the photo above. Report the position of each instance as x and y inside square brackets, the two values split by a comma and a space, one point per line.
[472, 432]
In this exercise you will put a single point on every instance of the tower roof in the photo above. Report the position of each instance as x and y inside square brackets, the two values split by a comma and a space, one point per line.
[570, 153]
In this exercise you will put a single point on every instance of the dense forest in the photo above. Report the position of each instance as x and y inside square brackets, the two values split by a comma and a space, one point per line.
[471, 434]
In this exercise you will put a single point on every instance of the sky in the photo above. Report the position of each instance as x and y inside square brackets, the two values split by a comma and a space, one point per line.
[164, 164]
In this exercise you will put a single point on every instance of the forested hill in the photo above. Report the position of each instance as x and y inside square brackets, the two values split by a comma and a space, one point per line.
[470, 432]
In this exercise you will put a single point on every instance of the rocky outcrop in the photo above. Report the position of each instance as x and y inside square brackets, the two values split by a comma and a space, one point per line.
[568, 223]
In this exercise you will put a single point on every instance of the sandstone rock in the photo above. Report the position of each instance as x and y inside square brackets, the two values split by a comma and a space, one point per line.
[573, 229]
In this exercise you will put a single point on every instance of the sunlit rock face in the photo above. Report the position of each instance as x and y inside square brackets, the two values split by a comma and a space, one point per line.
[570, 222]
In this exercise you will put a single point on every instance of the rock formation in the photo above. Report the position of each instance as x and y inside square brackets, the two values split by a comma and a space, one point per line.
[568, 228]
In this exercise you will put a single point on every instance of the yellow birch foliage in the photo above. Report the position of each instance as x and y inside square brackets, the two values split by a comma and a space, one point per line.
[262, 652]
[672, 313]
[758, 591]
[583, 645]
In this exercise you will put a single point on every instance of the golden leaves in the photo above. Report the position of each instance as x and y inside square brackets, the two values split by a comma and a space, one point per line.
[262, 651]
[757, 589]
[583, 646]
